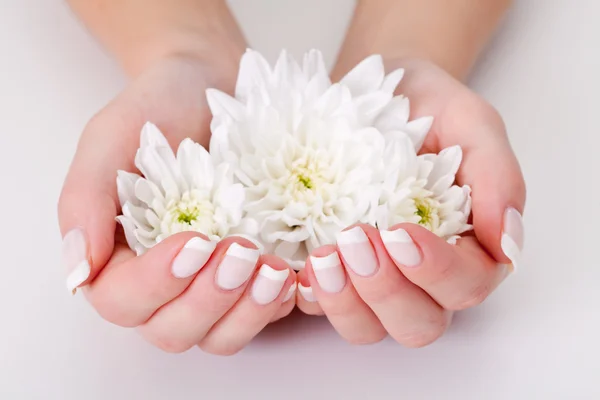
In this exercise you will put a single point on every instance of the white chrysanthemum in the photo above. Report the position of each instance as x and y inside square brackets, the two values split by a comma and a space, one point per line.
[420, 189]
[179, 193]
[309, 152]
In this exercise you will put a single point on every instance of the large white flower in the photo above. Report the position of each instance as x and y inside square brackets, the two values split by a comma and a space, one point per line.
[183, 192]
[420, 189]
[309, 152]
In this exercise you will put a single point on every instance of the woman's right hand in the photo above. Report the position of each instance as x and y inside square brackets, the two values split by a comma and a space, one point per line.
[172, 313]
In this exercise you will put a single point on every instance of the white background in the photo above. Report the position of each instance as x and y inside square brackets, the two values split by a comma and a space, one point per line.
[536, 337]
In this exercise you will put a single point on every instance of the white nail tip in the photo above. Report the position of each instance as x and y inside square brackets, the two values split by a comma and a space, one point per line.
[328, 261]
[239, 251]
[290, 292]
[79, 275]
[397, 236]
[200, 244]
[510, 249]
[352, 236]
[307, 293]
[273, 274]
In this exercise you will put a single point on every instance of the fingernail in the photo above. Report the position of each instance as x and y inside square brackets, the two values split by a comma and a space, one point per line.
[357, 251]
[401, 247]
[512, 236]
[268, 283]
[192, 257]
[290, 292]
[307, 293]
[75, 258]
[329, 272]
[237, 266]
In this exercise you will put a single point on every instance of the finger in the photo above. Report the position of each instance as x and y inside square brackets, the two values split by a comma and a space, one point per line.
[259, 303]
[491, 169]
[456, 276]
[289, 302]
[342, 305]
[130, 289]
[183, 322]
[89, 202]
[408, 314]
[305, 298]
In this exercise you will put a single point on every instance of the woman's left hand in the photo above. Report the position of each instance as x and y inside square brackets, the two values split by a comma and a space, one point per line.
[407, 282]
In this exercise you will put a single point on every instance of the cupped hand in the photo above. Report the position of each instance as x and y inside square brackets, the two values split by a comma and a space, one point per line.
[185, 291]
[407, 282]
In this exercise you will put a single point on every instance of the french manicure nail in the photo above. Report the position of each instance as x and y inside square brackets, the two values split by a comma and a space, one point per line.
[237, 266]
[75, 258]
[307, 293]
[401, 247]
[357, 251]
[329, 272]
[512, 236]
[290, 292]
[192, 257]
[268, 284]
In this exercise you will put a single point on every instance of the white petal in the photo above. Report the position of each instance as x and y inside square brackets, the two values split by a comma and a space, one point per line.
[125, 187]
[418, 129]
[366, 77]
[147, 192]
[220, 103]
[445, 166]
[394, 116]
[152, 136]
[254, 71]
[313, 64]
[288, 72]
[129, 229]
[391, 81]
[371, 105]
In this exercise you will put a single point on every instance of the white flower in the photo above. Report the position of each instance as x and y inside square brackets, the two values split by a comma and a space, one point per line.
[176, 193]
[420, 189]
[309, 152]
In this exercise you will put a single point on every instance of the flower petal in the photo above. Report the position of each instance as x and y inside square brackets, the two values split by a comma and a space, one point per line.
[366, 77]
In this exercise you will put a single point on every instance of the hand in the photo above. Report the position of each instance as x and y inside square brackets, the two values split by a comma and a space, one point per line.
[174, 313]
[409, 289]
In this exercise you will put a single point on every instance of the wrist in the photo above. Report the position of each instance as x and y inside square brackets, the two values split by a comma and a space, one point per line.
[448, 34]
[204, 29]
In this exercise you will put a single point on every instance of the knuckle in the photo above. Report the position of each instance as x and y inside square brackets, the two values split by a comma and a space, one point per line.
[435, 329]
[375, 295]
[111, 311]
[370, 338]
[220, 347]
[475, 297]
[168, 345]
[442, 272]
[117, 316]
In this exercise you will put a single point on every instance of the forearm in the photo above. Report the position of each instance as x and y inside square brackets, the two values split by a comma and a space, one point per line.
[450, 33]
[137, 32]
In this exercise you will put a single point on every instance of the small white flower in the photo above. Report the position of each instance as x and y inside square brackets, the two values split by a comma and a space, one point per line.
[176, 193]
[420, 189]
[309, 152]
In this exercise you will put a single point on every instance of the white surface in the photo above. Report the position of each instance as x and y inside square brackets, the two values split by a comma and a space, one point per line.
[536, 337]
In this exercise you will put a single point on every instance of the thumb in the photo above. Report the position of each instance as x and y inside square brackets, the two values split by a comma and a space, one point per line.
[498, 192]
[89, 203]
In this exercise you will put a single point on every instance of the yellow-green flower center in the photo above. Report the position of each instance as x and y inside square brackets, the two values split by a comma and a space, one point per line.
[427, 211]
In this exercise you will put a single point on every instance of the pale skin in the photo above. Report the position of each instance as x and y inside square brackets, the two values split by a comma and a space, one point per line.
[172, 51]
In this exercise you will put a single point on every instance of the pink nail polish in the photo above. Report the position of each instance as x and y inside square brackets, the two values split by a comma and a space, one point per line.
[329, 272]
[236, 267]
[192, 257]
[75, 258]
[268, 284]
[357, 251]
[513, 235]
[401, 247]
